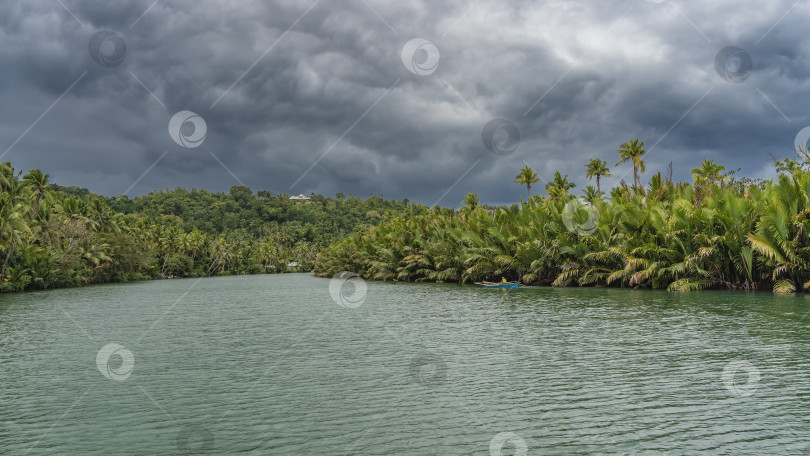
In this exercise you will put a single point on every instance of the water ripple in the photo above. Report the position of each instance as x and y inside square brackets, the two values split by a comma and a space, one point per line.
[271, 365]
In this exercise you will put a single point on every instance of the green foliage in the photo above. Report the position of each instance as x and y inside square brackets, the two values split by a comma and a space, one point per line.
[53, 236]
[632, 152]
[558, 188]
[598, 169]
[318, 221]
[527, 177]
[718, 233]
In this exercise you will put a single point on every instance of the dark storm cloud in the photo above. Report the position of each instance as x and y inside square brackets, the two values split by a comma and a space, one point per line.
[576, 78]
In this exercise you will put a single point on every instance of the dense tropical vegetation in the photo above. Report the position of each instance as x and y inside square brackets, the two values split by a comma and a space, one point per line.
[52, 236]
[716, 232]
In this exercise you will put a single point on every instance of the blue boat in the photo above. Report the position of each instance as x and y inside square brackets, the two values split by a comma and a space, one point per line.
[498, 284]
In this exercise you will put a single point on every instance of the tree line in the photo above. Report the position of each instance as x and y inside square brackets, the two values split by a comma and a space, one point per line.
[53, 236]
[718, 231]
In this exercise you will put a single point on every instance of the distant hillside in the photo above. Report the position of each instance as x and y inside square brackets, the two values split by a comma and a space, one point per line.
[54, 236]
[319, 221]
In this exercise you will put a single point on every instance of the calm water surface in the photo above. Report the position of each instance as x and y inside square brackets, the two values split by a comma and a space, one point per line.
[273, 365]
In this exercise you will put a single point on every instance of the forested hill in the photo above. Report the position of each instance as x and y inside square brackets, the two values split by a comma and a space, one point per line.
[318, 221]
[53, 236]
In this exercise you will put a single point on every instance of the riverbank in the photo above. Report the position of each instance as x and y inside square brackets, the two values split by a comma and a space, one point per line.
[713, 234]
[139, 279]
[64, 237]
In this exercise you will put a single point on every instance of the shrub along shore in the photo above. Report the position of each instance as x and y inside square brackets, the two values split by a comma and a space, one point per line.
[717, 232]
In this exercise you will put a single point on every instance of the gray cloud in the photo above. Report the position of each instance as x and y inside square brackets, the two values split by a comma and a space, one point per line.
[577, 79]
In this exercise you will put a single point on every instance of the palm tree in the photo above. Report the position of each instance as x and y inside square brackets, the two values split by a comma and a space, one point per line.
[12, 228]
[102, 218]
[558, 188]
[710, 172]
[781, 233]
[6, 175]
[527, 177]
[599, 169]
[195, 243]
[470, 203]
[664, 238]
[591, 194]
[38, 181]
[16, 190]
[633, 151]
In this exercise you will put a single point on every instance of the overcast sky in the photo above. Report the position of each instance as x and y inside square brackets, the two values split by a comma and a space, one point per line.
[393, 97]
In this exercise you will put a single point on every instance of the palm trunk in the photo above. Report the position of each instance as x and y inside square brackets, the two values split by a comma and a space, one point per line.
[5, 263]
[635, 176]
[598, 187]
[36, 204]
[529, 189]
[165, 260]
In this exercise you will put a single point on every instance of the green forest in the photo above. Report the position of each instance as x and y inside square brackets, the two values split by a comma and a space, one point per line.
[717, 232]
[53, 236]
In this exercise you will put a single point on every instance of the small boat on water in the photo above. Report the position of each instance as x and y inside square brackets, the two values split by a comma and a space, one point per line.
[498, 284]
